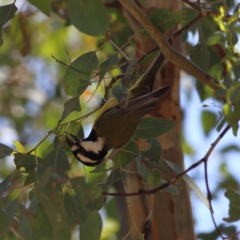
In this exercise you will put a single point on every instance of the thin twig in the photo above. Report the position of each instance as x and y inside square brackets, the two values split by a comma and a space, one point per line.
[63, 63]
[173, 180]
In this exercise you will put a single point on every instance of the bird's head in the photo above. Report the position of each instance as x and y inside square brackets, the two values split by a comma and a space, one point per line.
[89, 151]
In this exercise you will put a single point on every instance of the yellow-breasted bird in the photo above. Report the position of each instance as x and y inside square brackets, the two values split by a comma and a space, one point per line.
[114, 125]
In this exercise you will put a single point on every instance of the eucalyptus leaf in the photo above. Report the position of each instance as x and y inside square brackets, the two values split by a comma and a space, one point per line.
[170, 189]
[6, 185]
[69, 207]
[70, 106]
[142, 170]
[154, 178]
[113, 177]
[78, 74]
[197, 190]
[209, 120]
[107, 65]
[6, 13]
[153, 127]
[154, 153]
[165, 20]
[88, 16]
[200, 54]
[25, 226]
[10, 210]
[101, 168]
[5, 150]
[190, 183]
[96, 204]
[58, 160]
[3, 223]
[84, 193]
[52, 201]
[43, 5]
[27, 161]
[127, 154]
[41, 230]
[19, 146]
[121, 94]
[234, 206]
[91, 229]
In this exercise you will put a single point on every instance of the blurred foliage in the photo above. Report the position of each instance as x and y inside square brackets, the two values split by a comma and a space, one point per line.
[45, 59]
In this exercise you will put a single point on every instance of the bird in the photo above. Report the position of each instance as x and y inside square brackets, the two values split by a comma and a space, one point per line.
[114, 125]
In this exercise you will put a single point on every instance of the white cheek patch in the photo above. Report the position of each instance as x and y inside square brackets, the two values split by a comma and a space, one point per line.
[85, 159]
[91, 146]
[74, 148]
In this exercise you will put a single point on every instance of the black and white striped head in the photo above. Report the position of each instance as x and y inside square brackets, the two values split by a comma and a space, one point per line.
[90, 151]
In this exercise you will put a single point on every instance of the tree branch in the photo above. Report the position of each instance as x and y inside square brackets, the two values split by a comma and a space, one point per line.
[170, 53]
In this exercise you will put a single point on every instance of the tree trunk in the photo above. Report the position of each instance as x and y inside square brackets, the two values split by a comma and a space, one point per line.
[162, 216]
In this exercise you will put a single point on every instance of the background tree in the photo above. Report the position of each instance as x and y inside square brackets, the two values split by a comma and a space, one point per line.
[95, 48]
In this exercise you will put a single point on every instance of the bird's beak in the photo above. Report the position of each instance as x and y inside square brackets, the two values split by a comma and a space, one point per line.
[70, 142]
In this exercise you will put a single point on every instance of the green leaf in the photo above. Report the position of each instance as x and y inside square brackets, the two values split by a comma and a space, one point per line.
[83, 193]
[101, 168]
[154, 153]
[91, 229]
[26, 160]
[235, 117]
[166, 20]
[90, 192]
[88, 16]
[42, 178]
[141, 169]
[113, 177]
[3, 223]
[70, 106]
[217, 37]
[128, 153]
[227, 230]
[197, 190]
[121, 94]
[234, 206]
[230, 147]
[209, 120]
[5, 151]
[41, 230]
[107, 65]
[25, 225]
[200, 54]
[43, 5]
[52, 202]
[58, 160]
[6, 13]
[190, 183]
[170, 189]
[154, 178]
[127, 80]
[97, 204]
[19, 146]
[153, 127]
[6, 184]
[70, 210]
[78, 74]
[10, 210]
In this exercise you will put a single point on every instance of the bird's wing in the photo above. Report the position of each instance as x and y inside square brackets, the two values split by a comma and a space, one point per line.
[120, 123]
